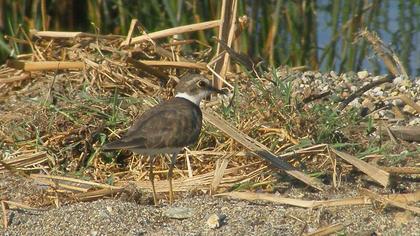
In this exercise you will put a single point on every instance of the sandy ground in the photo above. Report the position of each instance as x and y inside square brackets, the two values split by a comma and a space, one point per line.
[121, 217]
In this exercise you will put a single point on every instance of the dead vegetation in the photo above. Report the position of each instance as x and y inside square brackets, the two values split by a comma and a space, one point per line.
[76, 91]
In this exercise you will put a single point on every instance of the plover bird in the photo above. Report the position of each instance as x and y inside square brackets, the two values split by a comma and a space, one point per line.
[169, 126]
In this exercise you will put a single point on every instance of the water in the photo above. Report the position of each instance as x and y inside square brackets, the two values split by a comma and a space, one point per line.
[398, 26]
[307, 25]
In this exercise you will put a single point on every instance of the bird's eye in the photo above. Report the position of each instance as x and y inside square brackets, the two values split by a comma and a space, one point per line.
[201, 84]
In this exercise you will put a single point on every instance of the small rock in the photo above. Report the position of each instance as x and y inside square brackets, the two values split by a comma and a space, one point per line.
[109, 209]
[333, 74]
[398, 80]
[376, 78]
[414, 122]
[377, 91]
[318, 75]
[179, 213]
[394, 93]
[215, 221]
[368, 104]
[397, 102]
[409, 109]
[355, 103]
[402, 88]
[345, 94]
[362, 74]
[308, 73]
[386, 114]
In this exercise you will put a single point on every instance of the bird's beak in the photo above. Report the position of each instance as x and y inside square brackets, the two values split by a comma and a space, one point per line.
[215, 90]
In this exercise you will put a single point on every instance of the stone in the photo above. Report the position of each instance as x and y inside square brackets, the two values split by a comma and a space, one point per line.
[355, 103]
[414, 122]
[397, 102]
[368, 104]
[333, 74]
[362, 74]
[94, 233]
[215, 221]
[398, 80]
[179, 213]
[409, 109]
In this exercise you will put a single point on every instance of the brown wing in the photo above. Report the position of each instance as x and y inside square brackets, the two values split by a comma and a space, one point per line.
[175, 123]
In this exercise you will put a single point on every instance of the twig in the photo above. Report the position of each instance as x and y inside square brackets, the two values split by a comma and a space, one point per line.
[360, 200]
[4, 210]
[68, 34]
[17, 78]
[386, 200]
[401, 170]
[327, 230]
[391, 61]
[173, 31]
[226, 34]
[221, 165]
[133, 25]
[358, 93]
[44, 65]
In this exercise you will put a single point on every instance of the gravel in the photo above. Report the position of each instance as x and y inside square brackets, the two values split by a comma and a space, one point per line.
[116, 217]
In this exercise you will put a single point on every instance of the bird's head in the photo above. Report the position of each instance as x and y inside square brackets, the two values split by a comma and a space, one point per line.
[195, 87]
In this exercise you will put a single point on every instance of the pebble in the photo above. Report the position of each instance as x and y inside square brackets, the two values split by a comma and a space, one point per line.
[362, 74]
[355, 103]
[398, 80]
[415, 121]
[409, 109]
[368, 104]
[397, 102]
[215, 221]
[344, 85]
[179, 213]
[333, 74]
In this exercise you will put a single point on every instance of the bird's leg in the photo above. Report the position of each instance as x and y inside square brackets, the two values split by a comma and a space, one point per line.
[170, 174]
[152, 179]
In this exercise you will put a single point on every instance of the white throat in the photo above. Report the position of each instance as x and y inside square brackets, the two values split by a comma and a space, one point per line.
[192, 98]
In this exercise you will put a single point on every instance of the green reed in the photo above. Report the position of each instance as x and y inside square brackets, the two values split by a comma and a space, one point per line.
[282, 32]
